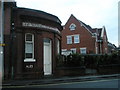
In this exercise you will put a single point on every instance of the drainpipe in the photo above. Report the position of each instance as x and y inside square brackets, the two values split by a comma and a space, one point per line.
[54, 64]
[12, 44]
[100, 48]
[12, 52]
[96, 44]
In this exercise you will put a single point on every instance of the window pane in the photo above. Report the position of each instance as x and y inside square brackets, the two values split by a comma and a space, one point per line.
[69, 39]
[72, 26]
[28, 37]
[83, 50]
[29, 48]
[46, 40]
[73, 50]
[76, 39]
[28, 55]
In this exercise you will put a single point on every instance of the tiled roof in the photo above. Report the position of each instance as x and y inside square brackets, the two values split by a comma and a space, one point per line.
[38, 13]
[87, 26]
[98, 31]
[92, 30]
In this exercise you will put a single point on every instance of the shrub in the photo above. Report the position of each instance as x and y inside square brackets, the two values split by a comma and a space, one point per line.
[60, 60]
[73, 60]
[90, 61]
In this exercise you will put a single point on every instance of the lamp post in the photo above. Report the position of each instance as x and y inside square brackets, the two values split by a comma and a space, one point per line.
[2, 38]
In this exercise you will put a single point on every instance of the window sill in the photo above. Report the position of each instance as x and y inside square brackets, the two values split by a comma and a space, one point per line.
[76, 42]
[69, 43]
[72, 29]
[29, 60]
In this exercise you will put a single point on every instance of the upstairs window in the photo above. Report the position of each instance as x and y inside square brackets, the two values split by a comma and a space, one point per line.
[69, 39]
[72, 26]
[76, 39]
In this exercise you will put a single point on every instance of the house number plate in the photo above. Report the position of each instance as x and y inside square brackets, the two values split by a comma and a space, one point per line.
[29, 66]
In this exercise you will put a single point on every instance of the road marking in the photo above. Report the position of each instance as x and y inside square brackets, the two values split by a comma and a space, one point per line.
[65, 83]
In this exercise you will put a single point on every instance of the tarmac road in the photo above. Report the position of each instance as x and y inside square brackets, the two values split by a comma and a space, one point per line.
[112, 83]
[107, 83]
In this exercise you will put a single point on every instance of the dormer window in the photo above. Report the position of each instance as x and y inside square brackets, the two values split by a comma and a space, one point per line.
[72, 26]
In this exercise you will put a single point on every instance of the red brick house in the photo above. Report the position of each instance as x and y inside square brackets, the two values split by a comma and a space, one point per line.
[32, 41]
[81, 38]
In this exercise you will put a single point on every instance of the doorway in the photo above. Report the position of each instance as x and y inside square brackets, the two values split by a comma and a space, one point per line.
[47, 56]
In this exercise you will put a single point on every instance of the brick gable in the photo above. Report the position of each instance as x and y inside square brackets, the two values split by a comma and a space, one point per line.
[86, 36]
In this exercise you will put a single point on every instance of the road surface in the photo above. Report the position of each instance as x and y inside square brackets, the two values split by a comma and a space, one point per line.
[108, 83]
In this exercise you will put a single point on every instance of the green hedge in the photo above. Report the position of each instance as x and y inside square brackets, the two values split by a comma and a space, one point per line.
[93, 61]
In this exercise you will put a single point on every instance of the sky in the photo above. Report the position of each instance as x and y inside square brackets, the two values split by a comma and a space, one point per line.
[96, 13]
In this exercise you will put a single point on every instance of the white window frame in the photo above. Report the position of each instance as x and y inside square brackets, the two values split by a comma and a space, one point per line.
[29, 59]
[58, 46]
[69, 39]
[83, 49]
[63, 51]
[76, 40]
[73, 50]
[72, 27]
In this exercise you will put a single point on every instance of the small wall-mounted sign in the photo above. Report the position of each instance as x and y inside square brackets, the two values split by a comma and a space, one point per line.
[2, 44]
[29, 66]
[28, 24]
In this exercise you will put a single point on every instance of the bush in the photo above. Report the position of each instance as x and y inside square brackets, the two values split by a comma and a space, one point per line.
[115, 59]
[109, 59]
[60, 60]
[90, 61]
[73, 60]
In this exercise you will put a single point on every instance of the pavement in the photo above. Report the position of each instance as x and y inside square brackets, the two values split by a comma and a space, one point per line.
[49, 80]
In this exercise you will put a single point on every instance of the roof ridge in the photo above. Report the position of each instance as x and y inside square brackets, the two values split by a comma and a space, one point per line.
[88, 27]
[39, 11]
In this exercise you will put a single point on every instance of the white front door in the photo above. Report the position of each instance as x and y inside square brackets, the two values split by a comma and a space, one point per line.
[47, 57]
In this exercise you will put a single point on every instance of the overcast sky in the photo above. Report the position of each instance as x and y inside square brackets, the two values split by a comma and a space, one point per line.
[96, 13]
